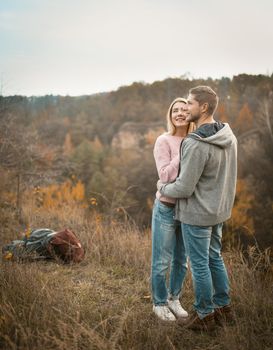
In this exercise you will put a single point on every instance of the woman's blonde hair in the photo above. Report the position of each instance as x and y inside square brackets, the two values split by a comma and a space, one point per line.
[170, 126]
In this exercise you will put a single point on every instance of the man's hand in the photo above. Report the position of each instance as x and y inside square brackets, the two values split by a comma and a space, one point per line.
[159, 185]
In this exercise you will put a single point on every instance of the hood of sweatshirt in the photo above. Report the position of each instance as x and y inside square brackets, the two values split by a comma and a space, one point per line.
[218, 134]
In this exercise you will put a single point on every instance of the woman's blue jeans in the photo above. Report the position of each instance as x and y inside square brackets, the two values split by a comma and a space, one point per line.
[210, 279]
[167, 250]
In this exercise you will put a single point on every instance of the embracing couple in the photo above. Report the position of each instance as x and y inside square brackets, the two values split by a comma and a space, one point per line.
[197, 166]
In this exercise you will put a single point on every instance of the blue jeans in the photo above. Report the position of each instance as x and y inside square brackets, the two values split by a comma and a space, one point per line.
[209, 275]
[167, 249]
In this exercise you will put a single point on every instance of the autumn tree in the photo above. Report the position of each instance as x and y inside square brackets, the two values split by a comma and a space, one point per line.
[86, 160]
[67, 146]
[244, 121]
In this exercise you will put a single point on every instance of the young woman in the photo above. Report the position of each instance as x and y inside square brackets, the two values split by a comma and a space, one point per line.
[167, 241]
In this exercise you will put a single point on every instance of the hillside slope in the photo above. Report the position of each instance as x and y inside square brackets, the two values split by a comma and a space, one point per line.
[104, 302]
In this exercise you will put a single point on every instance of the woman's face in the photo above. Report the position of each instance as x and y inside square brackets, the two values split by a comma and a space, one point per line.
[179, 114]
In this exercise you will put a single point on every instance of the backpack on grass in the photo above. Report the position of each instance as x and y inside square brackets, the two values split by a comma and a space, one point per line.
[45, 243]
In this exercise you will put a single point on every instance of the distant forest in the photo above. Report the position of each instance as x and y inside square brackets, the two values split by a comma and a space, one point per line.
[52, 145]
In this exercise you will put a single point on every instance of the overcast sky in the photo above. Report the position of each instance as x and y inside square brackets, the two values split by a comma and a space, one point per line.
[74, 47]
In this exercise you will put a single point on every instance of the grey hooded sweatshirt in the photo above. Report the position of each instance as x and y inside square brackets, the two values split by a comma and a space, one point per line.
[206, 184]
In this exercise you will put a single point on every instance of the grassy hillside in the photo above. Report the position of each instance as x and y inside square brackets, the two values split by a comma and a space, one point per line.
[104, 302]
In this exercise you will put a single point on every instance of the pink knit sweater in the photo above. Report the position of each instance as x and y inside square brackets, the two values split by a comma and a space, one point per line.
[167, 158]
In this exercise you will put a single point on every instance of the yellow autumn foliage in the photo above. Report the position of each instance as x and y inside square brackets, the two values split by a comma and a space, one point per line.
[241, 216]
[55, 195]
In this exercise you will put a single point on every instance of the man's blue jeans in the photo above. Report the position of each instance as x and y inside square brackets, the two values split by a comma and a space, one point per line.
[210, 279]
[167, 249]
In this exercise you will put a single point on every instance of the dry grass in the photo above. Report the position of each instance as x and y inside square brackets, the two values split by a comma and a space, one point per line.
[104, 303]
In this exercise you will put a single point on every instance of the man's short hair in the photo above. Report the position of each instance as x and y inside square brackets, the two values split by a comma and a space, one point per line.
[205, 94]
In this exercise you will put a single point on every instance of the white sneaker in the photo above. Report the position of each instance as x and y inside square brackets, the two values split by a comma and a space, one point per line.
[164, 313]
[177, 309]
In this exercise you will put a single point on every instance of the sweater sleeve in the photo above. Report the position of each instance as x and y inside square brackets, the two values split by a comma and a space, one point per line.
[194, 157]
[167, 168]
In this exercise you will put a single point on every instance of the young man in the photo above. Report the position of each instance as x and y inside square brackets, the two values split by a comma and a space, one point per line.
[206, 190]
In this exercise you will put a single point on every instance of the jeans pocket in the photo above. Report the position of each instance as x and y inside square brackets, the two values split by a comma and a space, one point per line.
[165, 210]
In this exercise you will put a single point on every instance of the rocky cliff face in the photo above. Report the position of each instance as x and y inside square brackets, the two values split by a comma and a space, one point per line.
[137, 135]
